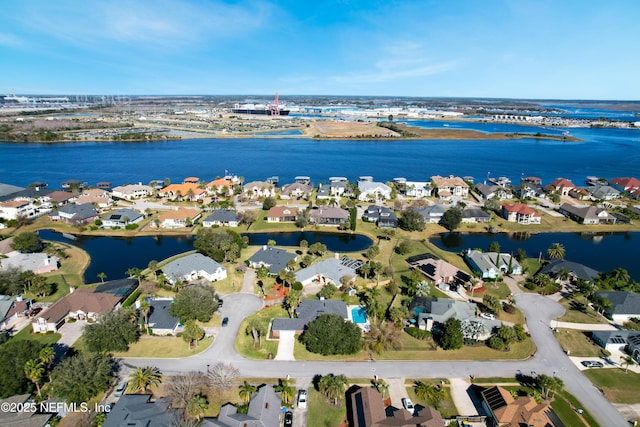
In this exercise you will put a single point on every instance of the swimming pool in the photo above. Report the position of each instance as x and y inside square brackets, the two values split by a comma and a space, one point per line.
[359, 315]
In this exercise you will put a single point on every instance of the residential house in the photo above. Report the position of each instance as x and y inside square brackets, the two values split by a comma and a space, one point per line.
[38, 262]
[133, 191]
[221, 218]
[417, 189]
[557, 267]
[274, 259]
[75, 214]
[192, 267]
[426, 312]
[14, 209]
[138, 410]
[82, 303]
[616, 340]
[628, 185]
[520, 213]
[491, 265]
[221, 186]
[493, 192]
[259, 189]
[446, 187]
[475, 215]
[96, 197]
[439, 272]
[562, 185]
[528, 191]
[7, 190]
[264, 411]
[188, 190]
[296, 191]
[603, 192]
[159, 319]
[579, 193]
[178, 218]
[11, 308]
[367, 409]
[382, 216]
[587, 214]
[624, 305]
[431, 214]
[59, 198]
[339, 186]
[307, 311]
[282, 214]
[505, 410]
[121, 218]
[328, 215]
[331, 270]
[371, 190]
[24, 417]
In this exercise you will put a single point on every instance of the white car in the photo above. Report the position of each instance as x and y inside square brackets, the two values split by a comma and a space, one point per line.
[408, 405]
[487, 316]
[302, 399]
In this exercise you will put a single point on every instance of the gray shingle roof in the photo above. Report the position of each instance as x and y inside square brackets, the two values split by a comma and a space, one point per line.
[330, 268]
[222, 215]
[136, 410]
[622, 302]
[79, 212]
[580, 271]
[190, 263]
[159, 317]
[120, 214]
[309, 310]
[274, 259]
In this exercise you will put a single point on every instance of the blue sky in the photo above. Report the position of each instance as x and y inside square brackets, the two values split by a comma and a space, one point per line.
[564, 49]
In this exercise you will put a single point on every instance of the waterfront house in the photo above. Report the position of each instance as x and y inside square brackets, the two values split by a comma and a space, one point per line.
[616, 340]
[159, 319]
[192, 267]
[624, 305]
[339, 186]
[449, 186]
[431, 214]
[178, 218]
[221, 187]
[528, 191]
[296, 191]
[520, 213]
[221, 218]
[417, 189]
[603, 192]
[507, 411]
[562, 185]
[575, 270]
[490, 265]
[190, 191]
[475, 215]
[579, 193]
[439, 272]
[331, 270]
[12, 308]
[7, 190]
[264, 409]
[14, 209]
[328, 215]
[82, 303]
[587, 214]
[259, 189]
[425, 312]
[274, 259]
[38, 262]
[382, 216]
[282, 214]
[121, 218]
[307, 311]
[75, 214]
[368, 409]
[493, 191]
[138, 410]
[628, 185]
[96, 197]
[60, 198]
[371, 190]
[133, 191]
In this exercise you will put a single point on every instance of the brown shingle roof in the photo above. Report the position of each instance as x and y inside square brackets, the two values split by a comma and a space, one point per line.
[84, 299]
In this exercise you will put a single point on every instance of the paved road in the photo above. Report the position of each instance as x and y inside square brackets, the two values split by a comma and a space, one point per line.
[549, 358]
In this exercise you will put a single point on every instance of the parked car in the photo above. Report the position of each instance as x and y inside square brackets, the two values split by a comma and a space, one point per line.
[302, 399]
[288, 419]
[592, 364]
[488, 316]
[120, 389]
[220, 302]
[225, 321]
[408, 405]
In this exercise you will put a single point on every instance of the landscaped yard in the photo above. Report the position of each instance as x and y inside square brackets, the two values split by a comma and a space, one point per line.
[617, 386]
[150, 346]
[244, 341]
[446, 406]
[578, 343]
[578, 310]
[323, 414]
[46, 339]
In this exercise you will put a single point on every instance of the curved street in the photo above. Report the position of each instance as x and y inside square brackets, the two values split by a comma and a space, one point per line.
[549, 358]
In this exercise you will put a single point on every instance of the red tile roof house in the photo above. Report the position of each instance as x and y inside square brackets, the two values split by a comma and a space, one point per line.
[83, 303]
[520, 213]
[562, 185]
[282, 214]
[631, 186]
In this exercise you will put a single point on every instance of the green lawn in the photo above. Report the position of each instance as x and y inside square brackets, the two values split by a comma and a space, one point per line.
[244, 341]
[578, 311]
[170, 347]
[617, 386]
[46, 339]
[323, 414]
[446, 406]
[578, 343]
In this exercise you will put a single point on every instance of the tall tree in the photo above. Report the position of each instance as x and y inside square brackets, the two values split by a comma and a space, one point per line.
[192, 332]
[145, 308]
[452, 338]
[197, 405]
[143, 378]
[221, 375]
[333, 387]
[430, 392]
[102, 275]
[451, 219]
[382, 337]
[27, 242]
[628, 361]
[81, 377]
[556, 251]
[285, 390]
[113, 331]
[246, 391]
[34, 371]
[194, 303]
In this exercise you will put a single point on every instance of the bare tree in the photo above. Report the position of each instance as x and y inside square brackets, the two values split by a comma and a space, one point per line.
[221, 375]
[182, 388]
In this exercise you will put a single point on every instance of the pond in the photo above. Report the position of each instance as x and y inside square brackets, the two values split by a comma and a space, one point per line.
[115, 255]
[601, 251]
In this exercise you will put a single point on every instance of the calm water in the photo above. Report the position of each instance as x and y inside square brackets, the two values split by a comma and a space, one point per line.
[115, 255]
[600, 251]
[605, 152]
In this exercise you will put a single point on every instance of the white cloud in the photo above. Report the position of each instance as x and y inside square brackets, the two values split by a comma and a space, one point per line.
[10, 40]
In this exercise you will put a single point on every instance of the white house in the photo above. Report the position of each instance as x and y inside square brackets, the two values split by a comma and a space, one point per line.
[373, 190]
[193, 266]
[134, 191]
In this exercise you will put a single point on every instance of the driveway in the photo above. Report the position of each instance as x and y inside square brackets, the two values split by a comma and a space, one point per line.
[461, 398]
[70, 332]
[285, 345]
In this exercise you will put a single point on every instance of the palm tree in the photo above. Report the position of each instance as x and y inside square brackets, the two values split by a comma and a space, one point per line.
[333, 386]
[47, 356]
[246, 391]
[34, 370]
[556, 251]
[382, 337]
[381, 386]
[102, 276]
[143, 378]
[197, 405]
[628, 360]
[153, 266]
[429, 392]
[145, 307]
[285, 390]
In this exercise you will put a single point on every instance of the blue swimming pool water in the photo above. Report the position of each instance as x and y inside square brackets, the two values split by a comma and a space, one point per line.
[359, 315]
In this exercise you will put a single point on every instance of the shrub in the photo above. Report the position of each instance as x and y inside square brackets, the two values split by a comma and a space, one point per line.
[418, 333]
[496, 343]
[509, 308]
[131, 226]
